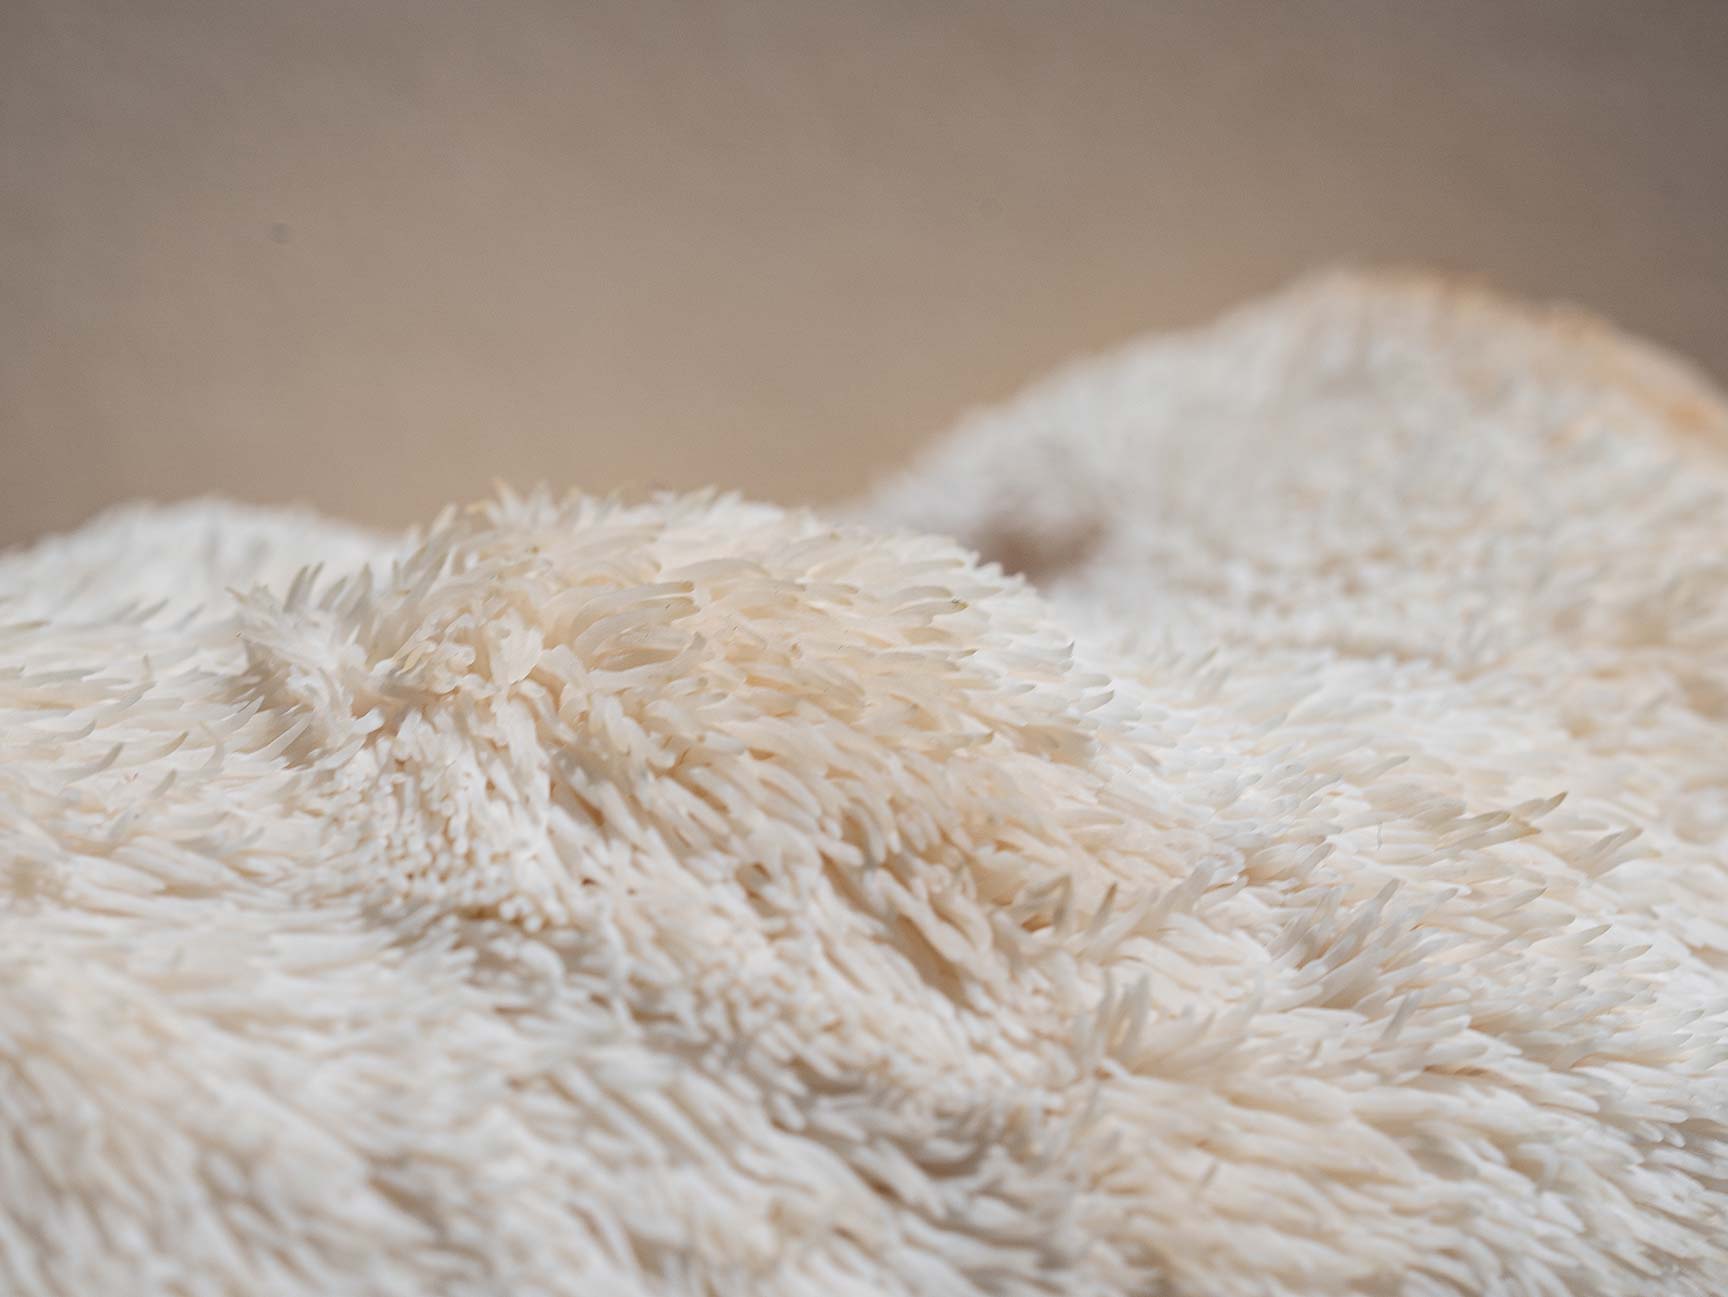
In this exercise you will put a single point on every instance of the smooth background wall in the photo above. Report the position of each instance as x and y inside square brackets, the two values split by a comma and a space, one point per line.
[376, 253]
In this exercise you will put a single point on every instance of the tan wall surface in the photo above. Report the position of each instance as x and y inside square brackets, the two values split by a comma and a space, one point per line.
[376, 254]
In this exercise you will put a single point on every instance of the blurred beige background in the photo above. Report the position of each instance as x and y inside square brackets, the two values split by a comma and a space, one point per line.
[376, 254]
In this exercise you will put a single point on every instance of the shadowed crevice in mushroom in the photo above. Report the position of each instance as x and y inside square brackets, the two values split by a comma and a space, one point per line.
[1040, 554]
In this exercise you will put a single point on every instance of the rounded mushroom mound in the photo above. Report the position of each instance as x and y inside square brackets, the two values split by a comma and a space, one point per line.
[543, 702]
[694, 897]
